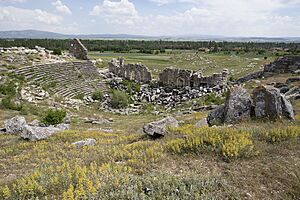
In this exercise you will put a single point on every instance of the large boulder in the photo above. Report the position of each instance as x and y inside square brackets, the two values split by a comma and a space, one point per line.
[15, 125]
[87, 142]
[216, 117]
[270, 104]
[34, 133]
[159, 128]
[238, 105]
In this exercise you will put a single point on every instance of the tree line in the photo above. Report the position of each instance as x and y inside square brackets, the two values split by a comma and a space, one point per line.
[148, 45]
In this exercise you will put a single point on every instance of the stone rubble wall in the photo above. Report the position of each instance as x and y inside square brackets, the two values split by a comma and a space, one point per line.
[287, 64]
[78, 50]
[134, 72]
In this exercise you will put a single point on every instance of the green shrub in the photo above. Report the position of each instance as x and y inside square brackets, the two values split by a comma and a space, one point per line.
[119, 99]
[213, 99]
[131, 86]
[54, 117]
[57, 52]
[98, 95]
[8, 89]
[7, 103]
[28, 108]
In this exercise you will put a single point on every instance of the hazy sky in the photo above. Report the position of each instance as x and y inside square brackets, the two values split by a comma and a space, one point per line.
[154, 17]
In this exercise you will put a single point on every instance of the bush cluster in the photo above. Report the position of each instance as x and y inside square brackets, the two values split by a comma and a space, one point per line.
[119, 99]
[131, 86]
[8, 89]
[57, 52]
[7, 103]
[214, 99]
[54, 117]
[98, 95]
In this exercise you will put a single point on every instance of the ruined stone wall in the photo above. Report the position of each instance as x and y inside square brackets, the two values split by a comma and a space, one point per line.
[78, 50]
[182, 78]
[287, 64]
[134, 72]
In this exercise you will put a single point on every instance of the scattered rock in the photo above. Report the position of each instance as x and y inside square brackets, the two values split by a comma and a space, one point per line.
[201, 123]
[292, 80]
[284, 90]
[15, 125]
[2, 131]
[292, 93]
[87, 142]
[96, 121]
[159, 128]
[34, 133]
[35, 123]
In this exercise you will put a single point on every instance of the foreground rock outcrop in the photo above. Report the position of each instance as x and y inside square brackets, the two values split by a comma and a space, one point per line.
[270, 104]
[238, 105]
[266, 103]
[32, 131]
[159, 128]
[15, 125]
[237, 108]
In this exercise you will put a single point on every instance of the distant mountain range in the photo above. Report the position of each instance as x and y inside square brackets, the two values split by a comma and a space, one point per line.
[35, 34]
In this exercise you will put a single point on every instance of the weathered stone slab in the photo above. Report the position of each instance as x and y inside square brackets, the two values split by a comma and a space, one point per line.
[159, 128]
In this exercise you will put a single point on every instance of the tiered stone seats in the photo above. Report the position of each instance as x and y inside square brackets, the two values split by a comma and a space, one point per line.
[68, 79]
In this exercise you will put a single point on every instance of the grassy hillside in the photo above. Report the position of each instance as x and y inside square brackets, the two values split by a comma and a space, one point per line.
[250, 160]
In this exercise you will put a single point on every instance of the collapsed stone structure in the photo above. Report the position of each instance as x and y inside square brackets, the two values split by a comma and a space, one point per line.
[179, 78]
[287, 64]
[134, 72]
[78, 50]
[176, 78]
